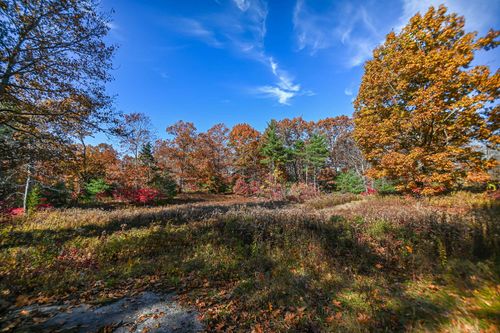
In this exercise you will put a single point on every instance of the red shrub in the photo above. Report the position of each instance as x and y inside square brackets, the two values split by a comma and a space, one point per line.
[147, 195]
[247, 189]
[369, 191]
[142, 195]
[44, 206]
[15, 211]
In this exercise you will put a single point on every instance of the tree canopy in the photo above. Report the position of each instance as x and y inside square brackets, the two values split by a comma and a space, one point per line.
[423, 106]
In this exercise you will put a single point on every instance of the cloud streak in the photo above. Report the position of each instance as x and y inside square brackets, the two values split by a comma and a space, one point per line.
[351, 30]
[241, 28]
[480, 15]
[284, 89]
[341, 25]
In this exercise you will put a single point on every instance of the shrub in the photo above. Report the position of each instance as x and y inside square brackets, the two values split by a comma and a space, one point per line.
[146, 195]
[96, 186]
[369, 191]
[350, 182]
[245, 188]
[58, 195]
[34, 199]
[384, 186]
[15, 211]
[165, 184]
[301, 192]
[215, 184]
[138, 196]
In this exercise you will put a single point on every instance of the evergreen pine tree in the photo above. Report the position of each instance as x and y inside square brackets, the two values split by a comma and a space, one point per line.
[316, 153]
[273, 149]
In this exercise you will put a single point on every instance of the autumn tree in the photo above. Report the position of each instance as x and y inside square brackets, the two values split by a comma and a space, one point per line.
[53, 56]
[54, 64]
[422, 105]
[244, 141]
[212, 157]
[177, 152]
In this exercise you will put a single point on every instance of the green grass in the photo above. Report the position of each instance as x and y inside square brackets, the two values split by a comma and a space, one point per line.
[386, 264]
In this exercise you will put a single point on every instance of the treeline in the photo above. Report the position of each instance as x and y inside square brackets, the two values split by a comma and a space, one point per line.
[292, 156]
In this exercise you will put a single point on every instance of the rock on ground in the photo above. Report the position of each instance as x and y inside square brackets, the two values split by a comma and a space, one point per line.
[146, 312]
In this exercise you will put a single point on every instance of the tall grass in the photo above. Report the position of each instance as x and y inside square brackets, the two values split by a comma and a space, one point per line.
[388, 263]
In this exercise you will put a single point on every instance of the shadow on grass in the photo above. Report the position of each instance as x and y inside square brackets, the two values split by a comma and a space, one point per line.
[281, 261]
[173, 215]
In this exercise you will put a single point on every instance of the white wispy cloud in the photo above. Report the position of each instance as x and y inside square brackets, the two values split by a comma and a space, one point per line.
[194, 28]
[274, 92]
[240, 27]
[284, 89]
[351, 28]
[348, 91]
[346, 25]
[480, 15]
[115, 31]
[243, 5]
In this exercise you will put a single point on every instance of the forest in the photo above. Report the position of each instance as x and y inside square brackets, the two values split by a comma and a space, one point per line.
[383, 220]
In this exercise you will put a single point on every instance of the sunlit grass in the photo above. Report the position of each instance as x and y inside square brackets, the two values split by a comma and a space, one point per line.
[384, 264]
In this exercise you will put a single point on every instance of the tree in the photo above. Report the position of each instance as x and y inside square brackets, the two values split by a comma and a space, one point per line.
[212, 155]
[316, 153]
[177, 153]
[53, 67]
[273, 149]
[344, 153]
[244, 141]
[292, 131]
[148, 161]
[422, 105]
[350, 182]
[136, 133]
[54, 64]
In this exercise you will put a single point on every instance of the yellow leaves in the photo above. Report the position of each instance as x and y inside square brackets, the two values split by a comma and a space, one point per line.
[418, 110]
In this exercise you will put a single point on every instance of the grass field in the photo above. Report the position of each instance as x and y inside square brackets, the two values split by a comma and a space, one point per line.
[337, 263]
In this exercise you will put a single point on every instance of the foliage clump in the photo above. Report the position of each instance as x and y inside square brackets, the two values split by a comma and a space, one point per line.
[350, 182]
[422, 106]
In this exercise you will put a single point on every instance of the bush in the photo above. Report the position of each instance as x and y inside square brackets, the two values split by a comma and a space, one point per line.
[96, 187]
[301, 192]
[215, 185]
[147, 195]
[138, 196]
[165, 184]
[350, 182]
[244, 188]
[384, 186]
[34, 199]
[58, 195]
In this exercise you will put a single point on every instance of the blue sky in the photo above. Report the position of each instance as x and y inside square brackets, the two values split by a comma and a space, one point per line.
[234, 61]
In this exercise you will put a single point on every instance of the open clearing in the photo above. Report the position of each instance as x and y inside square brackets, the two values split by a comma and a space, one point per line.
[401, 264]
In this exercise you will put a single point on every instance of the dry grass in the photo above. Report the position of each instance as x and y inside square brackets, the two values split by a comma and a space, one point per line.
[384, 264]
[331, 200]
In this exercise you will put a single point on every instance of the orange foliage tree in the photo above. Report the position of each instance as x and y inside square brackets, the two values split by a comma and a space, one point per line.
[421, 106]
[244, 142]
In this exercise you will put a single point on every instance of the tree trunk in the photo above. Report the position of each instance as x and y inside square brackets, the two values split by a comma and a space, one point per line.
[26, 190]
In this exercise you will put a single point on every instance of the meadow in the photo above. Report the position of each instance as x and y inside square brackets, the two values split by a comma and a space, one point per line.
[334, 263]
